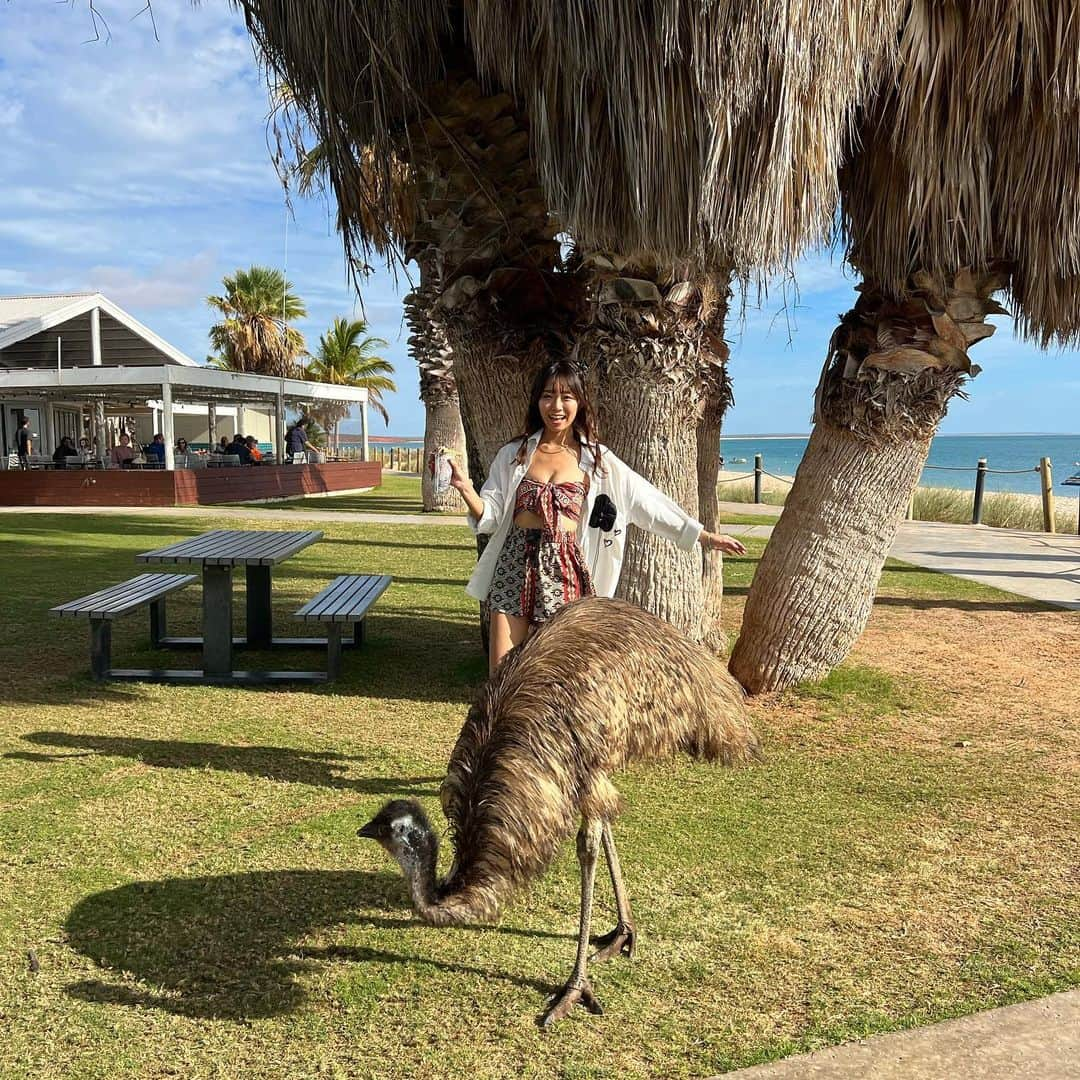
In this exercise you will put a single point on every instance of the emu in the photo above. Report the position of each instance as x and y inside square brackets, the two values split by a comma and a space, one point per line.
[600, 685]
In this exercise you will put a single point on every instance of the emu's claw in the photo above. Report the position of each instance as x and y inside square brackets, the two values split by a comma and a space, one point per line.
[621, 940]
[576, 991]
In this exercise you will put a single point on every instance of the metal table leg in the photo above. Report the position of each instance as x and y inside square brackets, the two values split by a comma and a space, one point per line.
[259, 611]
[217, 620]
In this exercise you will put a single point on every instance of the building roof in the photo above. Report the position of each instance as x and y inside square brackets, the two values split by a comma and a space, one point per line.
[188, 384]
[23, 318]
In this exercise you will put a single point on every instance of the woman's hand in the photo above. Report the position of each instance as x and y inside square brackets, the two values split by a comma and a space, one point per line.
[459, 480]
[719, 542]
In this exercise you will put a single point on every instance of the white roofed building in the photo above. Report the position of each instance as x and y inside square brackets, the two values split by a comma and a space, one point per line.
[77, 364]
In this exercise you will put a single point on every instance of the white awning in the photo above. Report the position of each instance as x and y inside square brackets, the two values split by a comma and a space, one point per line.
[202, 384]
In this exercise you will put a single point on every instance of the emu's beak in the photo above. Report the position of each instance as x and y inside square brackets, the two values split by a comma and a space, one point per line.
[369, 831]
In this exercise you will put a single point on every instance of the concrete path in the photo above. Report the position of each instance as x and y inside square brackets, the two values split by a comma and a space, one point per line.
[1036, 565]
[1038, 1040]
[241, 513]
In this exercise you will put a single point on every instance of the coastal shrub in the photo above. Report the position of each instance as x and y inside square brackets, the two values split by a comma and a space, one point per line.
[1001, 509]
[773, 493]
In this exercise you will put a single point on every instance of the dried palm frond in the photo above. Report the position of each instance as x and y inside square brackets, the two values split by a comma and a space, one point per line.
[970, 156]
[707, 131]
[701, 131]
[894, 364]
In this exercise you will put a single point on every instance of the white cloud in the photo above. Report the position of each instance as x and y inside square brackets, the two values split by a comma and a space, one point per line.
[172, 283]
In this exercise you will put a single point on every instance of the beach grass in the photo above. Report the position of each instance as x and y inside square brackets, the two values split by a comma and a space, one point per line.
[182, 892]
[1000, 509]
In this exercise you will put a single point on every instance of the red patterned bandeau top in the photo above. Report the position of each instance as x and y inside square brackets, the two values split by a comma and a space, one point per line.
[550, 501]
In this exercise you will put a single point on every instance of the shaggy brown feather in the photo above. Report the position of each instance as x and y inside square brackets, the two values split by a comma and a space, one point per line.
[602, 684]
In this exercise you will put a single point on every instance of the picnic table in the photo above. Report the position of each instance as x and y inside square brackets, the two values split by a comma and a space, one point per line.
[218, 554]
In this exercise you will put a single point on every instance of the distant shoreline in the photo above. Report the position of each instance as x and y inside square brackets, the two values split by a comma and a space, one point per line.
[395, 439]
[957, 435]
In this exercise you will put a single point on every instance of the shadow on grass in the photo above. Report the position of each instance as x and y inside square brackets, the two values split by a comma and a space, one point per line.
[929, 603]
[319, 769]
[230, 947]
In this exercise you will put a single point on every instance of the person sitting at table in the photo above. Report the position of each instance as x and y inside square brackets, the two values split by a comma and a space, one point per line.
[155, 451]
[86, 448]
[222, 445]
[65, 450]
[239, 447]
[122, 455]
[252, 445]
[182, 446]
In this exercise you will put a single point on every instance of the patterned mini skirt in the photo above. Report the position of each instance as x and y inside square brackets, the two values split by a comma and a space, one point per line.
[537, 574]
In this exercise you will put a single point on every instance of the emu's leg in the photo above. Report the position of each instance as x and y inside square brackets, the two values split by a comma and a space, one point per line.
[623, 938]
[577, 988]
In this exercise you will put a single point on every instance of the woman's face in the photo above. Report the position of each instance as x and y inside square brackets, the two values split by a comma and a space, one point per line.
[558, 407]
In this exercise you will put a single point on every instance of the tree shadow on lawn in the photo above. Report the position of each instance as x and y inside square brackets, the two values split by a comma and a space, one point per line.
[228, 947]
[317, 768]
[411, 654]
[928, 603]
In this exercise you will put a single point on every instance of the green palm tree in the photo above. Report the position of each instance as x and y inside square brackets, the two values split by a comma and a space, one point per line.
[346, 357]
[254, 334]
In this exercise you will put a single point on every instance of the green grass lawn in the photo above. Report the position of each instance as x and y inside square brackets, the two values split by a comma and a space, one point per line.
[398, 494]
[183, 865]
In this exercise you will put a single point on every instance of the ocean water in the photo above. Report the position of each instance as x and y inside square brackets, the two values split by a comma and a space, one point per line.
[954, 455]
[948, 452]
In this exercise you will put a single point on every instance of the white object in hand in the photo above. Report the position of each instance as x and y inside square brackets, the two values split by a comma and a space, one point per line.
[441, 473]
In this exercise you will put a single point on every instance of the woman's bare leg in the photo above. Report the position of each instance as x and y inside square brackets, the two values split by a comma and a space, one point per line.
[505, 632]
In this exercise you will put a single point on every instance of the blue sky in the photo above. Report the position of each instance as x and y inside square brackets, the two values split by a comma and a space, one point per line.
[141, 168]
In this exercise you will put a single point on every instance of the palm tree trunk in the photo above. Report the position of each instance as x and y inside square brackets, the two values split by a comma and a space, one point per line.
[494, 369]
[652, 356]
[654, 430]
[717, 399]
[442, 428]
[893, 367]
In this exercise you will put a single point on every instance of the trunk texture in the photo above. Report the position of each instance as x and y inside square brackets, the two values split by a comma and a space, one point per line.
[717, 399]
[494, 388]
[652, 358]
[708, 464]
[814, 588]
[438, 388]
[892, 368]
[442, 428]
[653, 429]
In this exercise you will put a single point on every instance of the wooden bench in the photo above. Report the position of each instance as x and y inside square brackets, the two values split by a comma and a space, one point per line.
[344, 602]
[101, 607]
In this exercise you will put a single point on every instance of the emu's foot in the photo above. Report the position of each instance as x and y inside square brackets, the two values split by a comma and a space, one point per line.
[621, 940]
[576, 991]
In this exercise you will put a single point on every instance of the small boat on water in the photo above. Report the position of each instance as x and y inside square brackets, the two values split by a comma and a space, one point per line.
[738, 461]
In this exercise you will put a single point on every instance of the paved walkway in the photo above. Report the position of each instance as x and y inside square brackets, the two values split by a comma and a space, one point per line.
[242, 513]
[1038, 565]
[1035, 565]
[1038, 1040]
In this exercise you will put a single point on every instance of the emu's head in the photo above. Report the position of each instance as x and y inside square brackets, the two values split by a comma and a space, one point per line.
[402, 827]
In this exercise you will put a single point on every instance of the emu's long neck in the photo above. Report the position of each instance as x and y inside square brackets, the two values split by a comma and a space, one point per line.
[454, 900]
[419, 871]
